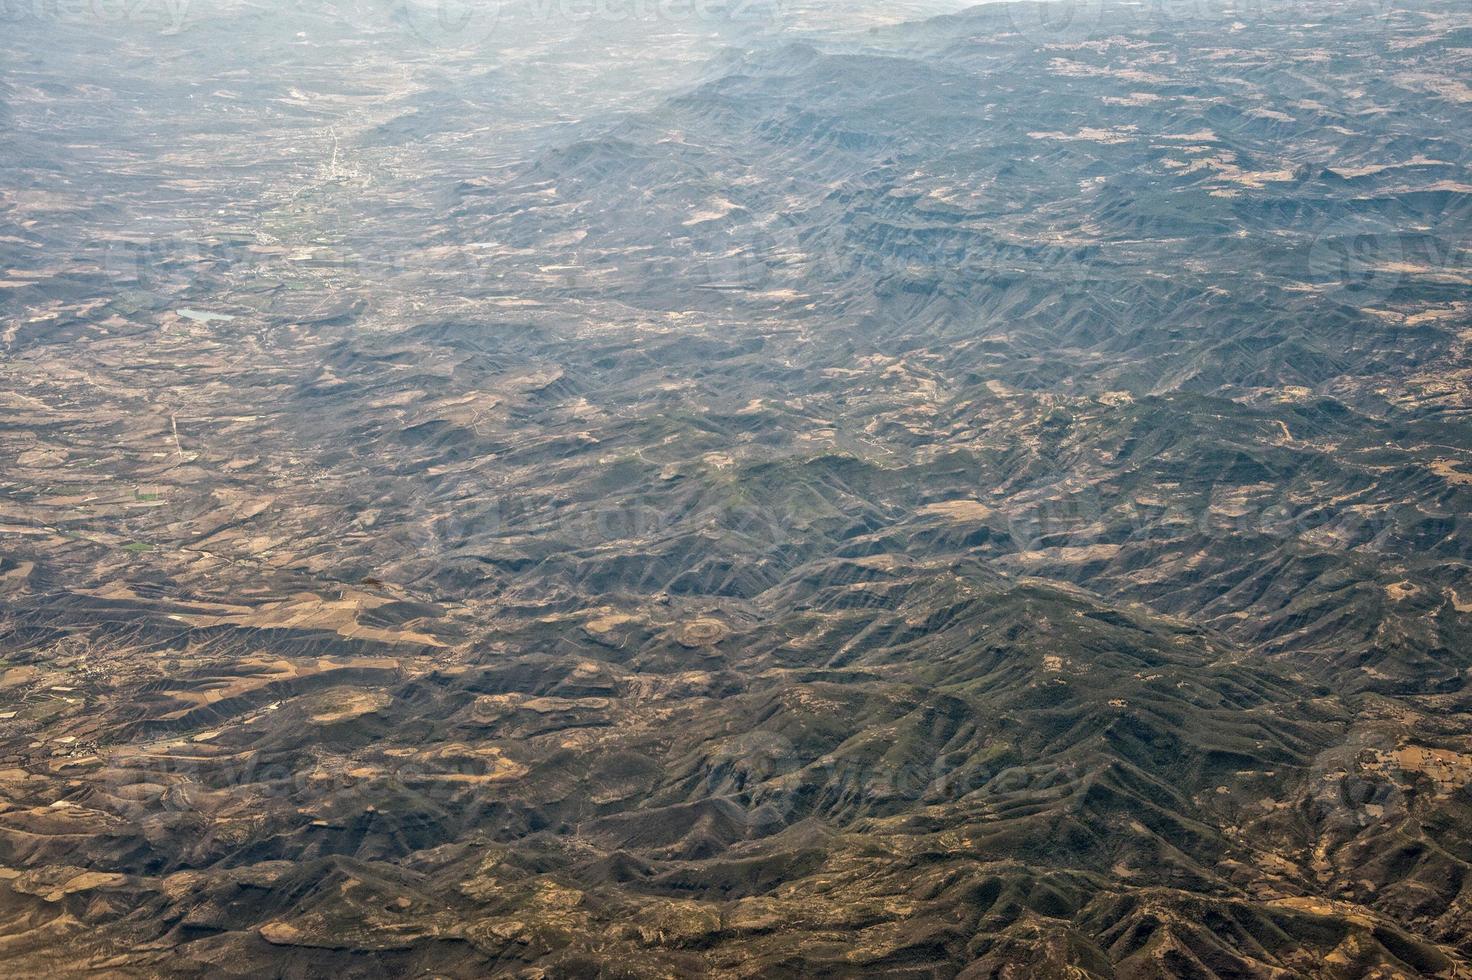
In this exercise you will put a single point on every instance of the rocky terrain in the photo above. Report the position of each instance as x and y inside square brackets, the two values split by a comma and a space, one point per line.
[751, 490]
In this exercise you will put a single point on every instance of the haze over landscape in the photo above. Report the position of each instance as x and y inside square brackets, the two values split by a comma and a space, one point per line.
[758, 488]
